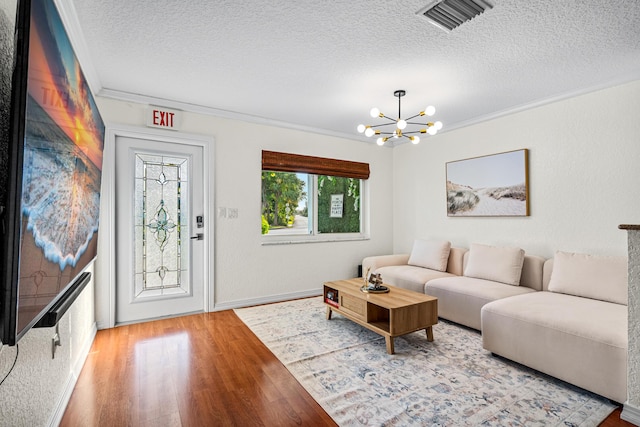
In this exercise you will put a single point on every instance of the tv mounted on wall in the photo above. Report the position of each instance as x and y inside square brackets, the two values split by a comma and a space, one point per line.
[53, 162]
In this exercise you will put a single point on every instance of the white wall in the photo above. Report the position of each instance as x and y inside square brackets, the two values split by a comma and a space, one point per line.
[583, 177]
[245, 270]
[38, 389]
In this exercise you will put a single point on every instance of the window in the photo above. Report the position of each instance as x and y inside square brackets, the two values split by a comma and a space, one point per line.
[298, 205]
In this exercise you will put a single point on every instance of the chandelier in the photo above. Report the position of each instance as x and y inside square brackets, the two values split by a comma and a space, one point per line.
[401, 124]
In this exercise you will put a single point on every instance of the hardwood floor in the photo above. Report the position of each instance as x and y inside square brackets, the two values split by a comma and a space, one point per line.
[205, 369]
[200, 370]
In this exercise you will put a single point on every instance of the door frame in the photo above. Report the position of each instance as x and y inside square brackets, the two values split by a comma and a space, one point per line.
[105, 268]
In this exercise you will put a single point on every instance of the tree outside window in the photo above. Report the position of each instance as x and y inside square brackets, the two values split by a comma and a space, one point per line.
[282, 195]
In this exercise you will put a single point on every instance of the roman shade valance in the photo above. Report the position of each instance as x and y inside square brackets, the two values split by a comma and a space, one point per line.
[285, 162]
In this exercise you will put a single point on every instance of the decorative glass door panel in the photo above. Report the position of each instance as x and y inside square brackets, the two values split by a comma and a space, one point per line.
[160, 268]
[161, 219]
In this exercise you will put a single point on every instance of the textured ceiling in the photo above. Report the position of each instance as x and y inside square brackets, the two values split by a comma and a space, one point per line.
[321, 65]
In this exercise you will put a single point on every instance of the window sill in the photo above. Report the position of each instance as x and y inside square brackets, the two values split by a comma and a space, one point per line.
[291, 240]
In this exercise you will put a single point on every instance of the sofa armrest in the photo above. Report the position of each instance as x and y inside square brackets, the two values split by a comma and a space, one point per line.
[375, 262]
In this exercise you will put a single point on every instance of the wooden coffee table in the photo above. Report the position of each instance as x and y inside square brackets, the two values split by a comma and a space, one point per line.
[395, 313]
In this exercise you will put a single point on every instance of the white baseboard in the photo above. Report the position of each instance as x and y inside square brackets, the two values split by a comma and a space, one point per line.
[70, 384]
[266, 300]
[102, 325]
[630, 414]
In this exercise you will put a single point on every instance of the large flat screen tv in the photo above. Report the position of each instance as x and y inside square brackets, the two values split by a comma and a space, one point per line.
[53, 161]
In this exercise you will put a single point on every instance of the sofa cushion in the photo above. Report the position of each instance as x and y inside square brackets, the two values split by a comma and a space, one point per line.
[409, 276]
[579, 340]
[500, 264]
[372, 263]
[532, 269]
[460, 299]
[432, 254]
[590, 276]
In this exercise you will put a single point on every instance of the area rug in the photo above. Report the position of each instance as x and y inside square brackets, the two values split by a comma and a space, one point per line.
[451, 381]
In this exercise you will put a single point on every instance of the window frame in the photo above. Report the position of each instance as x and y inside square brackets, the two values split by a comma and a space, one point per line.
[314, 236]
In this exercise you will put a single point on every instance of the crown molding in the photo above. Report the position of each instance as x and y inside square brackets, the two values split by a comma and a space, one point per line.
[216, 112]
[201, 109]
[628, 78]
[161, 102]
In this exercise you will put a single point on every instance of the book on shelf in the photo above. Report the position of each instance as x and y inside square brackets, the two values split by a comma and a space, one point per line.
[332, 302]
[331, 297]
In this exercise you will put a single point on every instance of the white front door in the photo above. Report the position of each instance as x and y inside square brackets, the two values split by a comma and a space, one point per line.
[159, 229]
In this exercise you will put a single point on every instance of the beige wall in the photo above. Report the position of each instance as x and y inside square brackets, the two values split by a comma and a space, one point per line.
[583, 157]
[244, 269]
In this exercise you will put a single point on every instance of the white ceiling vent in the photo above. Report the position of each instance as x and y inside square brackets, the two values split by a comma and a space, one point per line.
[449, 14]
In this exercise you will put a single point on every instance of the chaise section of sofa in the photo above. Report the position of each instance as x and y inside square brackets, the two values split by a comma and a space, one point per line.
[574, 330]
[490, 273]
[427, 261]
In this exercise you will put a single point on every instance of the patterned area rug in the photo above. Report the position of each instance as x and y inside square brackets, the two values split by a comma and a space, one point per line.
[451, 381]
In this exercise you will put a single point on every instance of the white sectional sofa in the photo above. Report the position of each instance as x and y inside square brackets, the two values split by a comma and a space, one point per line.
[575, 329]
[566, 316]
[429, 259]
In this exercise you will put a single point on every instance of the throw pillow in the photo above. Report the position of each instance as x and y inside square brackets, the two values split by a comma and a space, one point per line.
[500, 264]
[432, 254]
[591, 276]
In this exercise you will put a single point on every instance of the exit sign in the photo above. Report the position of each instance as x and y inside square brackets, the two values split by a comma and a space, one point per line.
[165, 118]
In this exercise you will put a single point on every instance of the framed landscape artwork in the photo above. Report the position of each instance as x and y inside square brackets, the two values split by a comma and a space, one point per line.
[494, 185]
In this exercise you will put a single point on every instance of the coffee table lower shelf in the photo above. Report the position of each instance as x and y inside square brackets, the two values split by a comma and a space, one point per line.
[393, 314]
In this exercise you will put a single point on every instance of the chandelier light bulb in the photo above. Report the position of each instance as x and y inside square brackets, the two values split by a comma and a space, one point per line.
[438, 125]
[369, 132]
[361, 128]
[401, 124]
[430, 110]
[432, 130]
[375, 112]
[380, 141]
[415, 139]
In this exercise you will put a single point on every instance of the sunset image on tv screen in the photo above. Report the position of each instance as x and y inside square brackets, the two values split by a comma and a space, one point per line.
[62, 165]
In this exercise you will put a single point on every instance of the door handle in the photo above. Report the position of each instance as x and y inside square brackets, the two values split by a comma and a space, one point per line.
[198, 236]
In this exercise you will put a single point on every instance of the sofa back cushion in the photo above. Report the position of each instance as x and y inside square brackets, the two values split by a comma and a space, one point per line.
[500, 264]
[546, 274]
[591, 276]
[432, 254]
[456, 260]
[532, 272]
